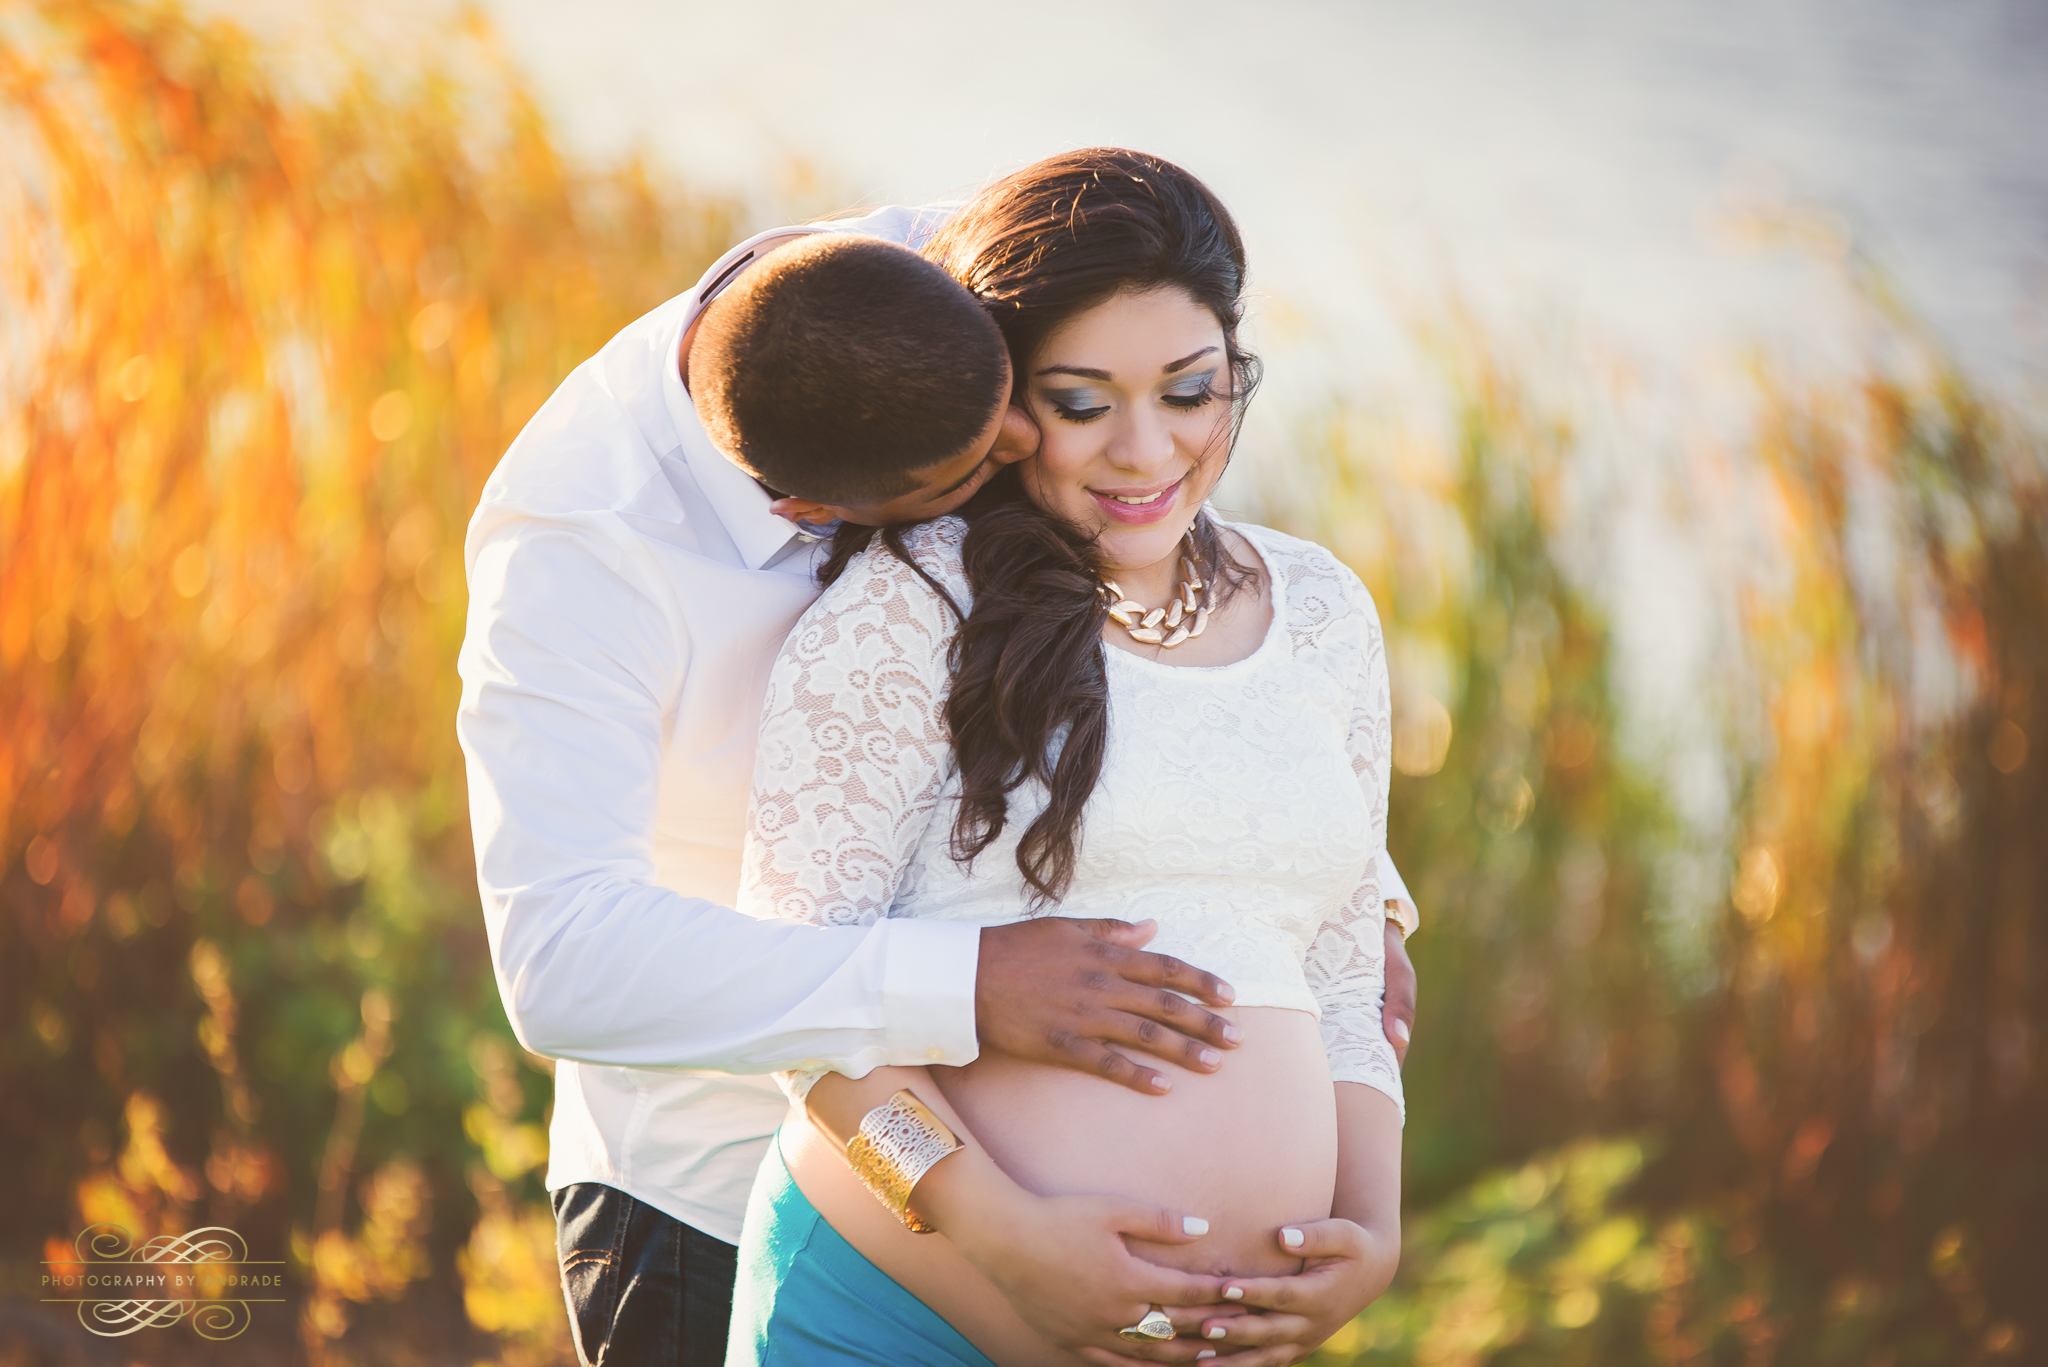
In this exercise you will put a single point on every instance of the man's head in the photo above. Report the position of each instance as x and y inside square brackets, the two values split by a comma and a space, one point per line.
[855, 378]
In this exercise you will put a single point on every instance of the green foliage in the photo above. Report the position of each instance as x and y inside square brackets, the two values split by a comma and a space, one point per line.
[1835, 1079]
[1523, 1260]
[1551, 1004]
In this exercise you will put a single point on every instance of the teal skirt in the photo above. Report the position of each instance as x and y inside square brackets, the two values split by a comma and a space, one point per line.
[806, 1296]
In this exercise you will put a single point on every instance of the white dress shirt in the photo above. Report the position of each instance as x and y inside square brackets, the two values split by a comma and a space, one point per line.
[629, 591]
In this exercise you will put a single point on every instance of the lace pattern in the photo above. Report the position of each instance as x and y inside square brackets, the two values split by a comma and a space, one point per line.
[1242, 806]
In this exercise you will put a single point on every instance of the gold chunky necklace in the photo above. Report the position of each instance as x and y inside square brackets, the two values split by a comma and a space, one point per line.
[1182, 619]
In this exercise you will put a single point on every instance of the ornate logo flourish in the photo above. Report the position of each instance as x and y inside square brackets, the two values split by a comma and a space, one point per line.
[205, 1254]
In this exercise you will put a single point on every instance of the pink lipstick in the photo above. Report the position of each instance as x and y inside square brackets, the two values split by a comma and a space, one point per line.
[1137, 507]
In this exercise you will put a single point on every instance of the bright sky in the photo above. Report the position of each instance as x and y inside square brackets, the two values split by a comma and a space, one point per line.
[1576, 156]
[1575, 160]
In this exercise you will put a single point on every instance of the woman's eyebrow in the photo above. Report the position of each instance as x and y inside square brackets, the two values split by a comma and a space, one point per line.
[1088, 373]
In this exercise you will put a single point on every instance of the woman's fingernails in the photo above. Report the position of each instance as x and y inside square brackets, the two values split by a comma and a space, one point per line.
[1400, 1028]
[1210, 1058]
[1233, 1293]
[1226, 992]
[1291, 1237]
[1193, 1225]
[1205, 1353]
[1215, 1332]
[1160, 1083]
[1232, 1033]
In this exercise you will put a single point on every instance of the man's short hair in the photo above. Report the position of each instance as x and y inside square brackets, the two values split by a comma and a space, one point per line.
[843, 362]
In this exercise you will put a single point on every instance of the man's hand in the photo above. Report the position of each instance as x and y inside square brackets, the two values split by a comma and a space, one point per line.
[1346, 1269]
[1397, 1013]
[1074, 993]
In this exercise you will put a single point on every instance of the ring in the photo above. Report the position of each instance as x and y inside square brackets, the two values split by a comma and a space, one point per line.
[1154, 1328]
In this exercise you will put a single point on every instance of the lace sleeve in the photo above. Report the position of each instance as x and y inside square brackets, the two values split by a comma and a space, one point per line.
[1347, 963]
[853, 749]
[853, 753]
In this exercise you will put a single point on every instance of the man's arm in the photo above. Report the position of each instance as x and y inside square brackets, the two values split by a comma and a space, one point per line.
[569, 672]
[569, 669]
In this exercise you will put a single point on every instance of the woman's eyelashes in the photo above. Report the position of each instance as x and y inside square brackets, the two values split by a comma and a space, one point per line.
[1086, 405]
[1191, 395]
[1076, 405]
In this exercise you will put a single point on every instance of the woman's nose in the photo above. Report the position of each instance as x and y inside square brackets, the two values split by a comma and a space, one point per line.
[1145, 445]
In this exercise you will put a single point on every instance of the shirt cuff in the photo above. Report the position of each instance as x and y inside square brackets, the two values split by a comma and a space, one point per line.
[1402, 913]
[928, 971]
[797, 1083]
[1394, 893]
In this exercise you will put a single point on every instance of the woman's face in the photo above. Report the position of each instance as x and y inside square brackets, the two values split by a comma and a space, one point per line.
[1133, 401]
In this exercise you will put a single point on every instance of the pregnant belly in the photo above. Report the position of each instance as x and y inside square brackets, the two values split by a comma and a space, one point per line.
[1249, 1148]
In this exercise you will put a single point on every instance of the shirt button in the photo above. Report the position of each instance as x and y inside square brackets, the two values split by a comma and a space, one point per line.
[935, 1054]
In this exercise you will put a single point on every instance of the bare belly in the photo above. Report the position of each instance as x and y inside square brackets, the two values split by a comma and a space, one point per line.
[1249, 1148]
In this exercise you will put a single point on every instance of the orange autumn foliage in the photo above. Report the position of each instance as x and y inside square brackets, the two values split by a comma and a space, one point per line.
[263, 346]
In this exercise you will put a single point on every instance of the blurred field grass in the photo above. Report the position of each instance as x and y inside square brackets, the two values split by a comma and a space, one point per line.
[264, 344]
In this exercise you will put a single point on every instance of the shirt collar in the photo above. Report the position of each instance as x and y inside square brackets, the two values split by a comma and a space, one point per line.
[741, 504]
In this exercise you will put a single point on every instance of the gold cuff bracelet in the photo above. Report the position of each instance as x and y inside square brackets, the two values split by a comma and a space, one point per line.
[898, 1143]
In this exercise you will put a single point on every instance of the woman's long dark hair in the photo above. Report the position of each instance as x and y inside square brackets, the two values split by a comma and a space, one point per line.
[1030, 701]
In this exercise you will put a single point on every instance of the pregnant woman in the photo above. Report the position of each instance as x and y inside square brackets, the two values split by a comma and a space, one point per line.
[1087, 693]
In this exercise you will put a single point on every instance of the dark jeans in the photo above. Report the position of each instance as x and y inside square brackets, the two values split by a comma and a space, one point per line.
[644, 1289]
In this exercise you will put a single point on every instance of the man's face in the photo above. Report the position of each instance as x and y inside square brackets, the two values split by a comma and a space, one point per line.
[1010, 436]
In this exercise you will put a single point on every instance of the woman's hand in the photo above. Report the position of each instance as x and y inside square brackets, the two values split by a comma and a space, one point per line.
[1062, 1263]
[1346, 1268]
[1348, 1260]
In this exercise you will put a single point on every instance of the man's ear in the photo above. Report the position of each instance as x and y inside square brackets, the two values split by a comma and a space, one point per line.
[1019, 438]
[803, 510]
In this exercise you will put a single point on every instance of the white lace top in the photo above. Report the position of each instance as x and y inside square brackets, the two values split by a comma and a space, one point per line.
[1243, 807]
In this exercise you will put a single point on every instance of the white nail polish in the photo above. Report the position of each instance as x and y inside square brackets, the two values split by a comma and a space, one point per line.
[1233, 1293]
[1401, 1029]
[1291, 1237]
[1193, 1225]
[1215, 1333]
[1205, 1353]
[1210, 1058]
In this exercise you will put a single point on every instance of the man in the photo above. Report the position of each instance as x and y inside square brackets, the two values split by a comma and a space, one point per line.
[631, 582]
